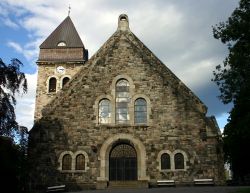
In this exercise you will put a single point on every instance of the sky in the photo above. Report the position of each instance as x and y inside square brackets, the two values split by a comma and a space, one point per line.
[179, 33]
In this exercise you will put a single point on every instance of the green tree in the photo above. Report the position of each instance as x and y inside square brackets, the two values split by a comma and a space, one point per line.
[13, 157]
[233, 79]
[13, 163]
[12, 81]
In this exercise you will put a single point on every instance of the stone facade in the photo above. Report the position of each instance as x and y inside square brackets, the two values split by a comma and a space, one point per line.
[176, 121]
[47, 70]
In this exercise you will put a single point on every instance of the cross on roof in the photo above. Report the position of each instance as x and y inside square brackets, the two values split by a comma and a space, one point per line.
[69, 10]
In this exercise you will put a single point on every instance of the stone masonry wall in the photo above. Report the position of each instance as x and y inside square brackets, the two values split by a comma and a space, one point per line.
[46, 71]
[177, 119]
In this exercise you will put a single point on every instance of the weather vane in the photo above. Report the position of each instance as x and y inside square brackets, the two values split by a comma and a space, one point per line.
[69, 10]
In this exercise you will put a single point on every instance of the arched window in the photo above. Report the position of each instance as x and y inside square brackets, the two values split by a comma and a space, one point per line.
[165, 161]
[52, 84]
[104, 111]
[66, 162]
[80, 162]
[179, 161]
[65, 81]
[140, 111]
[122, 101]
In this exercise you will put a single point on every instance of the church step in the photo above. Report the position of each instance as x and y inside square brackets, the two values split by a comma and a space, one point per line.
[123, 184]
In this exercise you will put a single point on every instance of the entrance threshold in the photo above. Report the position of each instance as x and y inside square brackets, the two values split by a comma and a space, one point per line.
[127, 184]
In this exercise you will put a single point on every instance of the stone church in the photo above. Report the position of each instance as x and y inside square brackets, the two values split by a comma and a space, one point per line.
[118, 119]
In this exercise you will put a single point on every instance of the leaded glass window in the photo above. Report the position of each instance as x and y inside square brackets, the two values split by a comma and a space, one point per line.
[179, 161]
[52, 84]
[104, 111]
[122, 101]
[65, 81]
[80, 162]
[165, 161]
[140, 111]
[123, 150]
[66, 162]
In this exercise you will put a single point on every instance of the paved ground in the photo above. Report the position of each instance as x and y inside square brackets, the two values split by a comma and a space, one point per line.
[216, 189]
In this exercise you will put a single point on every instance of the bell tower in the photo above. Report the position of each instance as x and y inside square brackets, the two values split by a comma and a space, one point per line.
[61, 55]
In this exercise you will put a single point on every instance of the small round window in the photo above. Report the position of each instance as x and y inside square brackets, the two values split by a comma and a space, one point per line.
[61, 44]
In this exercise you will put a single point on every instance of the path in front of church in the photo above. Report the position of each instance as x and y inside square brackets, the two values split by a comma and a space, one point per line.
[204, 189]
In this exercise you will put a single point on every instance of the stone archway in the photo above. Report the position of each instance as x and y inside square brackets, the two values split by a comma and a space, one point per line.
[123, 162]
[104, 158]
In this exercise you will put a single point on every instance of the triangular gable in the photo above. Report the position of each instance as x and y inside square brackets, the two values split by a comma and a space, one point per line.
[145, 54]
[65, 32]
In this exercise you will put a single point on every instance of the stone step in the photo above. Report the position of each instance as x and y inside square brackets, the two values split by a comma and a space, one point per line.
[123, 184]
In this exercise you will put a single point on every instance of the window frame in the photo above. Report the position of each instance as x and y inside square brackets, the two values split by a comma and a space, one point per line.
[73, 162]
[145, 111]
[63, 79]
[176, 161]
[49, 85]
[172, 161]
[109, 111]
[122, 102]
[77, 166]
[168, 160]
[67, 164]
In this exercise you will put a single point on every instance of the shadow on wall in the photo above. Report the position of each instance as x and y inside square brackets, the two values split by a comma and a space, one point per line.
[45, 137]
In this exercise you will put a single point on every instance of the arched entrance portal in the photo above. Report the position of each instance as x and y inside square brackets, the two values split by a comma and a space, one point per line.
[108, 145]
[122, 163]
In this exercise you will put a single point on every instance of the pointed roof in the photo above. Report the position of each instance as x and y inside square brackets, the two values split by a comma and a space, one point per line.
[65, 32]
[122, 40]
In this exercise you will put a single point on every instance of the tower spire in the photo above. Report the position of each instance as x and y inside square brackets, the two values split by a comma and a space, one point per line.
[69, 10]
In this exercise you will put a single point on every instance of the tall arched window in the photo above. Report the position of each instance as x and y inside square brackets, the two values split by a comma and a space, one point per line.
[80, 162]
[104, 111]
[140, 111]
[179, 161]
[66, 162]
[65, 81]
[52, 84]
[165, 162]
[122, 101]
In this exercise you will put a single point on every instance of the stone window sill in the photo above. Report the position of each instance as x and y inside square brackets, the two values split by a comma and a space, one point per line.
[167, 170]
[123, 125]
[73, 171]
[174, 170]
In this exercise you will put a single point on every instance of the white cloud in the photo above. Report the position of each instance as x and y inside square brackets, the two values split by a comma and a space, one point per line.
[30, 50]
[16, 46]
[178, 32]
[8, 22]
[26, 103]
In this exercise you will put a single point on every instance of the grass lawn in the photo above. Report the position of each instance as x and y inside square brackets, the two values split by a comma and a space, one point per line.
[243, 190]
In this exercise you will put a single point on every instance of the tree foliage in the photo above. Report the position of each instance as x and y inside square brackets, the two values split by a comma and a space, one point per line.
[233, 79]
[13, 162]
[12, 81]
[234, 75]
[13, 156]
